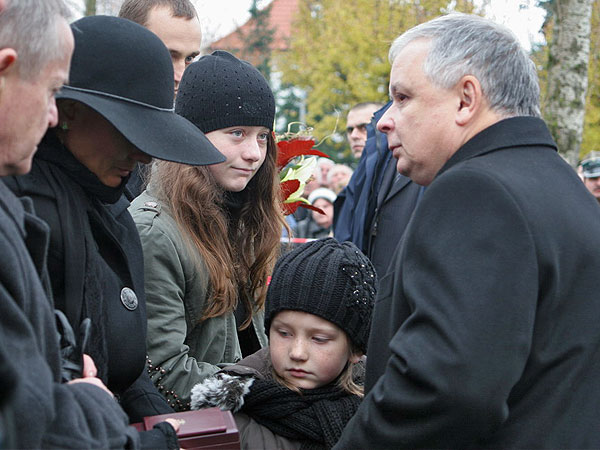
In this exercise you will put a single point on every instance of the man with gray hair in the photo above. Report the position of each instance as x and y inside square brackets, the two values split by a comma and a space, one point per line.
[485, 333]
[44, 412]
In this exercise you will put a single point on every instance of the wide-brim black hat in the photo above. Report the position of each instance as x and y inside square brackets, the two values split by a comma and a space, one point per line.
[124, 72]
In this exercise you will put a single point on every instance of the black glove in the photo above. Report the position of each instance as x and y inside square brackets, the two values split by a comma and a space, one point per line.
[71, 349]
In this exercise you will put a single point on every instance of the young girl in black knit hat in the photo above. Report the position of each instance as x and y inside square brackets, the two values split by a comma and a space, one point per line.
[211, 235]
[301, 391]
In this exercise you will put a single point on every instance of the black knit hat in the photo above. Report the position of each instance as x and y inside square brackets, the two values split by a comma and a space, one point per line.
[331, 280]
[220, 91]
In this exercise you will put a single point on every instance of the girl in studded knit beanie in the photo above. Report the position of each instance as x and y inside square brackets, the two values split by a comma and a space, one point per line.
[211, 234]
[302, 390]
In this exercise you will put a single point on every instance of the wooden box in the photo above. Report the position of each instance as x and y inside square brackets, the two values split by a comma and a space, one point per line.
[202, 429]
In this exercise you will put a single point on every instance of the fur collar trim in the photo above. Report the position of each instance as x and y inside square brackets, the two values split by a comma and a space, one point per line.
[223, 391]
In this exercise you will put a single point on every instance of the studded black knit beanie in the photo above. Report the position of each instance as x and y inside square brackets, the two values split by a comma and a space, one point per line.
[333, 280]
[220, 91]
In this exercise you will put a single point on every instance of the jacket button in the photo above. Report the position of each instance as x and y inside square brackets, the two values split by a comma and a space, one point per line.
[129, 299]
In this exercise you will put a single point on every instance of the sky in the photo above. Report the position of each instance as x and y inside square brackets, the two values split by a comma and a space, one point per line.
[219, 17]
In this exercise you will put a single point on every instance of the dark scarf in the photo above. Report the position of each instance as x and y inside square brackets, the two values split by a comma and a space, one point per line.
[233, 202]
[83, 276]
[316, 417]
[52, 150]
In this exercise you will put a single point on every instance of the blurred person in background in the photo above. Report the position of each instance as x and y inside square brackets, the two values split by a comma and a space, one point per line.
[359, 116]
[338, 177]
[590, 172]
[317, 225]
[324, 165]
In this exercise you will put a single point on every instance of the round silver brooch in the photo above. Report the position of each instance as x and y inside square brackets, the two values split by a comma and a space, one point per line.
[129, 299]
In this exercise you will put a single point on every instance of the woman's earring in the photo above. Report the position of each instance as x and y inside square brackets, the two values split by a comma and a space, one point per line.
[64, 126]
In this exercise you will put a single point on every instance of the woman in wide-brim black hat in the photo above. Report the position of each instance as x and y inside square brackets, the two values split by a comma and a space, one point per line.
[115, 112]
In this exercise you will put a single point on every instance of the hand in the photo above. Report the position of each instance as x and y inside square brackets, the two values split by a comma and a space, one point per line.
[89, 374]
[89, 367]
[174, 423]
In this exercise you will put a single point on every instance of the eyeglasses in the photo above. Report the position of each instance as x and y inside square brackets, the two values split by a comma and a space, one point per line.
[358, 126]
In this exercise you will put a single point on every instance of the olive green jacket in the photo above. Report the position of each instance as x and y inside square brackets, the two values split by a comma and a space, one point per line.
[182, 351]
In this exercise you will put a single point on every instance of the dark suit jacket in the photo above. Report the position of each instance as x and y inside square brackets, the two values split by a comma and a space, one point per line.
[47, 413]
[396, 201]
[486, 333]
[354, 206]
[372, 204]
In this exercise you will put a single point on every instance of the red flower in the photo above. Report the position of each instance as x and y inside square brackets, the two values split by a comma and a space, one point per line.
[290, 208]
[289, 187]
[288, 150]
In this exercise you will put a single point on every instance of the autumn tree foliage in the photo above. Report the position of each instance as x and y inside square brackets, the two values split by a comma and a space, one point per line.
[591, 130]
[339, 52]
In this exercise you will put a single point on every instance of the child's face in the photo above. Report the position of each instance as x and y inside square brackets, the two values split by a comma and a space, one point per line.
[306, 350]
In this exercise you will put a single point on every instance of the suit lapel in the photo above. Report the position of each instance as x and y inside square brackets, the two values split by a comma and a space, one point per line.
[391, 184]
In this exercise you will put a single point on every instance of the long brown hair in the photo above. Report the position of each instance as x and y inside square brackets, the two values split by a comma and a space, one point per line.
[238, 260]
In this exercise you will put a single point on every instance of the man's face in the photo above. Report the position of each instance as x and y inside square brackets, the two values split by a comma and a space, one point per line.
[324, 220]
[420, 126]
[99, 146]
[356, 128]
[28, 107]
[180, 35]
[325, 167]
[593, 185]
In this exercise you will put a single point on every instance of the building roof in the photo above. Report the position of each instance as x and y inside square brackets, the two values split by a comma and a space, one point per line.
[280, 20]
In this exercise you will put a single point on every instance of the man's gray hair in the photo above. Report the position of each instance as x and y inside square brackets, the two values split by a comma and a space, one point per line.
[31, 28]
[464, 44]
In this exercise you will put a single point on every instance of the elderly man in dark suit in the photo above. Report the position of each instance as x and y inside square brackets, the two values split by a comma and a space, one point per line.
[485, 333]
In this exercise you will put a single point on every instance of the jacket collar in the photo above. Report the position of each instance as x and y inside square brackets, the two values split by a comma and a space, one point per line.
[12, 207]
[507, 133]
[34, 232]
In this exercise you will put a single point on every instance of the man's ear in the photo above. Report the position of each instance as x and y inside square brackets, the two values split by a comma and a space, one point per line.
[471, 99]
[8, 58]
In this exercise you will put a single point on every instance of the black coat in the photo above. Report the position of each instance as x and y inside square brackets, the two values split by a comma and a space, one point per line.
[486, 333]
[374, 209]
[396, 200]
[46, 413]
[94, 253]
